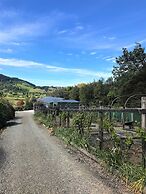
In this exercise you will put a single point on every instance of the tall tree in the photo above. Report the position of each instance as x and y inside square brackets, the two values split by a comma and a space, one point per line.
[130, 70]
[86, 94]
[74, 93]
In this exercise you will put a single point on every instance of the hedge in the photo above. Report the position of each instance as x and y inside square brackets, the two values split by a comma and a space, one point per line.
[7, 112]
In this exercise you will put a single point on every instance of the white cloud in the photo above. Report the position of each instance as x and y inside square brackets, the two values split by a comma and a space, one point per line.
[6, 50]
[142, 41]
[109, 37]
[58, 83]
[18, 63]
[83, 52]
[52, 68]
[85, 72]
[62, 31]
[93, 53]
[19, 30]
[79, 36]
[50, 82]
[87, 40]
[69, 54]
[9, 15]
[112, 59]
[133, 44]
[79, 27]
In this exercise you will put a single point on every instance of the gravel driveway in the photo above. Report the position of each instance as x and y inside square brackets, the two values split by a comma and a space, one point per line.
[31, 161]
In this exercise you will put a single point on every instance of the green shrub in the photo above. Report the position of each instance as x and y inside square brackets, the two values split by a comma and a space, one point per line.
[7, 112]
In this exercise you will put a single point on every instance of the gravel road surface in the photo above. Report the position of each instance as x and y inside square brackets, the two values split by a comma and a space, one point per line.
[33, 162]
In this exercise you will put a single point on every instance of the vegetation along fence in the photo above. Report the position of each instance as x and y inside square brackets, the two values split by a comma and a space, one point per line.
[111, 133]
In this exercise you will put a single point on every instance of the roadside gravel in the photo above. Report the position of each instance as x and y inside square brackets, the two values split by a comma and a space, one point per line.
[33, 162]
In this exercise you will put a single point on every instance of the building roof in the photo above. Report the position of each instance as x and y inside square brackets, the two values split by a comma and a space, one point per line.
[51, 99]
[70, 101]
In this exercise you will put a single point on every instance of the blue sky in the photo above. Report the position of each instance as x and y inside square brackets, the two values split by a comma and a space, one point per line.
[62, 42]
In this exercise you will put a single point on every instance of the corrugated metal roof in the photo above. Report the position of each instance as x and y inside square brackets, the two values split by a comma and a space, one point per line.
[50, 99]
[69, 101]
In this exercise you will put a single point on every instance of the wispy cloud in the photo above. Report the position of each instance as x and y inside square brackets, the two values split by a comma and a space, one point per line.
[5, 14]
[112, 59]
[109, 37]
[83, 52]
[79, 27]
[52, 68]
[133, 44]
[69, 54]
[53, 27]
[62, 31]
[20, 30]
[19, 63]
[88, 39]
[84, 36]
[8, 50]
[93, 53]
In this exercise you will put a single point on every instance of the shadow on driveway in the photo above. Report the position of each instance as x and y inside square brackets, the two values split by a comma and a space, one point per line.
[2, 157]
[12, 123]
[18, 117]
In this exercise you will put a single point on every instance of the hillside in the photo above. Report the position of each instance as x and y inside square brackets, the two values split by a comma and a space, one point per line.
[16, 85]
[4, 78]
[14, 89]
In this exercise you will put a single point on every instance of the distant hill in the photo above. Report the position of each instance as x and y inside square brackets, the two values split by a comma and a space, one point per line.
[18, 88]
[4, 79]
[14, 89]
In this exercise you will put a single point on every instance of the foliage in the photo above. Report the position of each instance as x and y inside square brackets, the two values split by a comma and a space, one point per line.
[47, 120]
[118, 154]
[29, 103]
[86, 94]
[69, 135]
[78, 123]
[130, 72]
[63, 117]
[141, 133]
[7, 112]
[74, 93]
[82, 121]
[61, 92]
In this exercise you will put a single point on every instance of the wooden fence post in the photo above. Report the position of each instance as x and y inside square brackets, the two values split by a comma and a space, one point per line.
[68, 121]
[60, 123]
[101, 131]
[143, 125]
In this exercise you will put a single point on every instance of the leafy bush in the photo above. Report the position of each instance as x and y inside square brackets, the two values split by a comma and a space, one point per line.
[69, 135]
[7, 112]
[28, 104]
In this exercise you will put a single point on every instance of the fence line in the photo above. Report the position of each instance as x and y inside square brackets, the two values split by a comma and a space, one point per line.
[101, 110]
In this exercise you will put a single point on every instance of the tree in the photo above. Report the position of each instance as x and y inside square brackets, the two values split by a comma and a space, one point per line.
[74, 93]
[130, 70]
[86, 94]
[100, 91]
[61, 92]
[28, 104]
